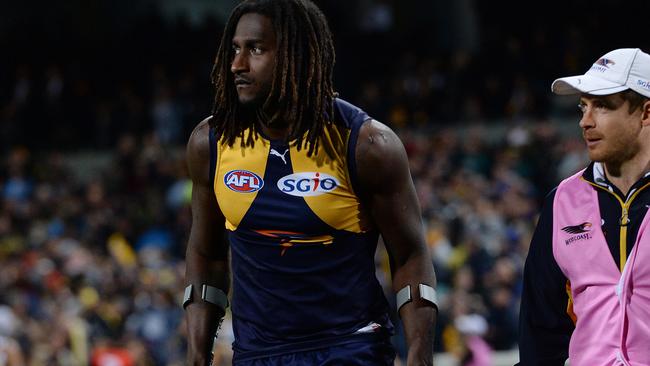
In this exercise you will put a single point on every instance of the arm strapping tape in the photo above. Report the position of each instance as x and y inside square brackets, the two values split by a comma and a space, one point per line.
[209, 294]
[427, 293]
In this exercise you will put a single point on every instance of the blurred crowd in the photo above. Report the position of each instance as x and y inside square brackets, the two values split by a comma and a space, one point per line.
[480, 203]
[92, 269]
[92, 251]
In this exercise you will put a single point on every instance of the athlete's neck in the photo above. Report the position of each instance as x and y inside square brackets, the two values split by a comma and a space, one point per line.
[275, 133]
[624, 174]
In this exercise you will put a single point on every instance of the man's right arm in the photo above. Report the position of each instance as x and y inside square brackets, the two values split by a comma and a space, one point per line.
[544, 325]
[207, 251]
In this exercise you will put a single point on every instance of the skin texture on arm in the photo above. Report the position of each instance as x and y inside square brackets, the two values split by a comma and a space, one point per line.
[206, 255]
[390, 197]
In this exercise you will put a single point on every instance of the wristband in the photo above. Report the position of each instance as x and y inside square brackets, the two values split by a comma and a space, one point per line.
[209, 294]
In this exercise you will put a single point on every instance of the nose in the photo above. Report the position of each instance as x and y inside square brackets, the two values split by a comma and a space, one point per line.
[587, 120]
[239, 63]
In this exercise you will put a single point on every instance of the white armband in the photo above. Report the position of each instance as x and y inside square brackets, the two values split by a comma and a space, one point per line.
[427, 293]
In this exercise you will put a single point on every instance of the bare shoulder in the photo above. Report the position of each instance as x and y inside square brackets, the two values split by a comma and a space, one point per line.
[375, 136]
[198, 151]
[380, 154]
[199, 141]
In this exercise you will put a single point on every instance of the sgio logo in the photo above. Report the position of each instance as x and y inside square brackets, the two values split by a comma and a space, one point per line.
[243, 181]
[307, 184]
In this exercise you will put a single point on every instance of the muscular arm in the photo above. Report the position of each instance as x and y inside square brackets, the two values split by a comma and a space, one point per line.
[389, 194]
[544, 326]
[206, 255]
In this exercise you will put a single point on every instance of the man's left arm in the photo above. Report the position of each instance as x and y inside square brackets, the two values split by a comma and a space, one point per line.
[389, 194]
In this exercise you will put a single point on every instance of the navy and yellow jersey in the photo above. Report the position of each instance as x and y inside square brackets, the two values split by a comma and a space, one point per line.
[302, 245]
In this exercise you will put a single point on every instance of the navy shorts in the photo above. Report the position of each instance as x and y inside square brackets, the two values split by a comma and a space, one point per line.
[350, 354]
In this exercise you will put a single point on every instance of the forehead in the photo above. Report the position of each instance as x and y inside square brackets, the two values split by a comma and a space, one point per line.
[254, 27]
[609, 98]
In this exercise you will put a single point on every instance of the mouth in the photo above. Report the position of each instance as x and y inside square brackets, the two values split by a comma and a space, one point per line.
[242, 82]
[592, 141]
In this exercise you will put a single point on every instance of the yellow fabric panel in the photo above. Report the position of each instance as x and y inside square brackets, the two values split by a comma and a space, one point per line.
[569, 305]
[234, 205]
[339, 208]
[290, 238]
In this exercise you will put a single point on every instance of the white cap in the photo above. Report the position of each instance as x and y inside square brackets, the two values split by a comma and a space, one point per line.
[616, 71]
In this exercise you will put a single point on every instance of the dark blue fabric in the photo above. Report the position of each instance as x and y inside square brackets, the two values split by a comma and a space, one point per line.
[354, 118]
[367, 353]
[292, 293]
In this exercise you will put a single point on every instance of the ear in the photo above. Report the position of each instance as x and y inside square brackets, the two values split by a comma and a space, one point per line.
[645, 113]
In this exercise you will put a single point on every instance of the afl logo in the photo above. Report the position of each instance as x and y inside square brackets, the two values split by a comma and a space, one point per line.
[307, 184]
[243, 181]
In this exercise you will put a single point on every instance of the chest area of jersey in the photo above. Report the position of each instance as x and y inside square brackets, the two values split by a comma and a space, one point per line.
[581, 246]
[272, 186]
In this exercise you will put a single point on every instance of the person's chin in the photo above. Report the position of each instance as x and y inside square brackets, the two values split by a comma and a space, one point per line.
[598, 156]
[249, 101]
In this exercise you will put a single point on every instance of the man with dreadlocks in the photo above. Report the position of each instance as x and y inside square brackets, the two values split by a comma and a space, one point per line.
[298, 185]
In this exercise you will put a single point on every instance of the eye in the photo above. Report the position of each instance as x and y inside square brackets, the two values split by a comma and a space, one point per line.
[236, 49]
[600, 105]
[256, 51]
[582, 108]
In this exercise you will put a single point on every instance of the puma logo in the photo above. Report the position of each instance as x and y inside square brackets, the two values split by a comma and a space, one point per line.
[281, 156]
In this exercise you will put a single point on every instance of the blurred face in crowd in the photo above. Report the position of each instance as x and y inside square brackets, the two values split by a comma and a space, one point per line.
[609, 129]
[254, 48]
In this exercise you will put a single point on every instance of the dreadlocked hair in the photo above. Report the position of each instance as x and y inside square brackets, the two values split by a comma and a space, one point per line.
[301, 93]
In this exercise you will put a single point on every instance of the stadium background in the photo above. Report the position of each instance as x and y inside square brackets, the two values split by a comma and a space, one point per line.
[98, 98]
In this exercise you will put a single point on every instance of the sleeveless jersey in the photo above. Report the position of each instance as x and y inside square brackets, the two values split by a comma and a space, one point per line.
[302, 246]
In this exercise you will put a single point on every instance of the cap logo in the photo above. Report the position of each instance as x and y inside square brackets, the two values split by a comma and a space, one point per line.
[602, 65]
[643, 83]
[605, 62]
